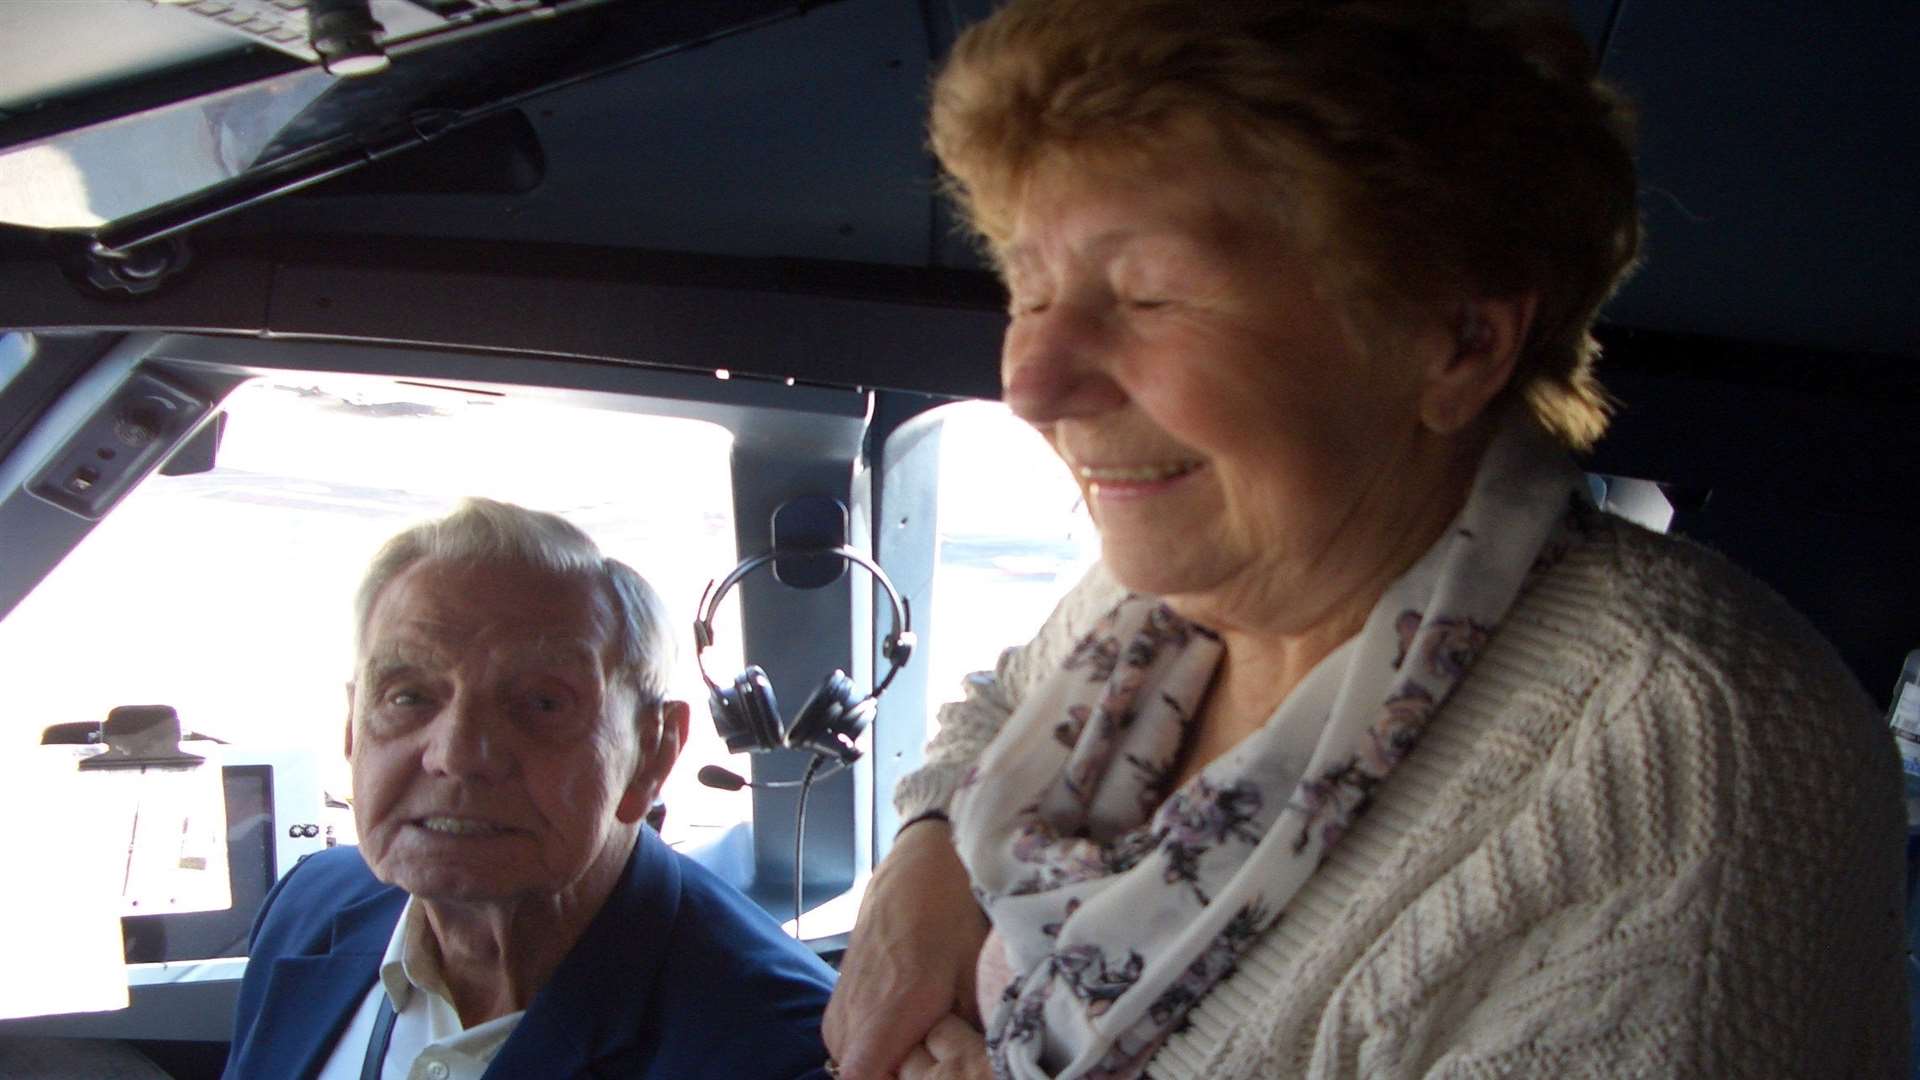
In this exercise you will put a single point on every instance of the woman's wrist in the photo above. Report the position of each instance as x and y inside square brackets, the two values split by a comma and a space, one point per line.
[921, 818]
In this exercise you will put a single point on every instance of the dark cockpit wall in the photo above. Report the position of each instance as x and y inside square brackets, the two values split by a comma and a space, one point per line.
[749, 192]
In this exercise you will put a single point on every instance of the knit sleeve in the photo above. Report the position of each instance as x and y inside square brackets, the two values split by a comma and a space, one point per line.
[1728, 903]
[965, 727]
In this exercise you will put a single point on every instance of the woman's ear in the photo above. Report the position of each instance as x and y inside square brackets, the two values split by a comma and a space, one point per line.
[1462, 380]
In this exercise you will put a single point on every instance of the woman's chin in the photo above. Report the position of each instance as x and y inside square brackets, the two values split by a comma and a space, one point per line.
[1155, 570]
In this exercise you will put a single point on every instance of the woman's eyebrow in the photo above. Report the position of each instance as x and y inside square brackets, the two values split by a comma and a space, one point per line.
[1021, 255]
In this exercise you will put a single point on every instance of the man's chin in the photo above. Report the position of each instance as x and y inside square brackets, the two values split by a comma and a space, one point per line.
[458, 889]
[470, 884]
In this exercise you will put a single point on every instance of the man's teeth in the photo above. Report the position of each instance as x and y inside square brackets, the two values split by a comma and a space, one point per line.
[1136, 474]
[460, 826]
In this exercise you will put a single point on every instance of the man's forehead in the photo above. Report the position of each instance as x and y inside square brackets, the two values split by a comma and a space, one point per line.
[427, 644]
[437, 609]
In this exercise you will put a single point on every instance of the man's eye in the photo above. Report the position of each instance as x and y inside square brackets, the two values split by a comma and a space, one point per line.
[406, 699]
[545, 705]
[1147, 303]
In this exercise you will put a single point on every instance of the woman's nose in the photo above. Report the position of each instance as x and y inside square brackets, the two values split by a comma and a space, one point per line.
[1054, 365]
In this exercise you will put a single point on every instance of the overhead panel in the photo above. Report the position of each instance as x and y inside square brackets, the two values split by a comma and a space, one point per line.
[802, 138]
[78, 46]
[160, 167]
[284, 25]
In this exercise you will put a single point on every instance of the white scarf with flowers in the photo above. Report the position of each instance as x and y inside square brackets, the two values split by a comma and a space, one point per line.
[1119, 906]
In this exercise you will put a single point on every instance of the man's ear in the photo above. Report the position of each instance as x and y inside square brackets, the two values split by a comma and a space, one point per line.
[349, 746]
[1462, 380]
[663, 734]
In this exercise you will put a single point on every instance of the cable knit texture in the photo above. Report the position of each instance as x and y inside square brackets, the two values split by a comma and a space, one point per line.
[1657, 831]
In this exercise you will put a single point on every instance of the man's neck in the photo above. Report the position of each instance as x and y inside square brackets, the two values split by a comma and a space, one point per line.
[496, 955]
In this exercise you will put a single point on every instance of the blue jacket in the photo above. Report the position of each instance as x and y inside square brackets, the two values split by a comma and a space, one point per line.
[678, 977]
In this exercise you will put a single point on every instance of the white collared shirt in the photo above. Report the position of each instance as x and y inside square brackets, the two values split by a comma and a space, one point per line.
[428, 1042]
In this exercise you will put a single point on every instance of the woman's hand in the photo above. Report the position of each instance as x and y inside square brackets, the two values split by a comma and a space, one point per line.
[953, 1051]
[910, 962]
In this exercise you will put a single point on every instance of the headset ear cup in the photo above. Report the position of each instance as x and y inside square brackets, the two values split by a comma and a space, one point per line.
[726, 720]
[831, 719]
[758, 707]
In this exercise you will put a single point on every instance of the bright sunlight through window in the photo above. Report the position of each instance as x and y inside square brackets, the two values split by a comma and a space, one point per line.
[228, 594]
[1014, 536]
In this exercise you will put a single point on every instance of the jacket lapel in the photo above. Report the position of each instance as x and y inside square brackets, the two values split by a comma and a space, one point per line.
[310, 999]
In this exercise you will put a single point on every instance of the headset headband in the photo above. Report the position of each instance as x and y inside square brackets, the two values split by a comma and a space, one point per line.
[897, 646]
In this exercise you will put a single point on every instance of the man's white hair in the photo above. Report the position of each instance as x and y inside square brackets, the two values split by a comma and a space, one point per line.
[486, 531]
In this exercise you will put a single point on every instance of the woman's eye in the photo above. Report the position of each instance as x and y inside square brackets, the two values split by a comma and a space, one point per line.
[1147, 303]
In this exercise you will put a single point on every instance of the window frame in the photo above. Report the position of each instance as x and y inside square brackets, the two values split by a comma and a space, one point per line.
[788, 441]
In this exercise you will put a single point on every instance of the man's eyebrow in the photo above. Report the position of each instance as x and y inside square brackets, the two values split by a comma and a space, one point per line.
[565, 650]
[390, 658]
[403, 656]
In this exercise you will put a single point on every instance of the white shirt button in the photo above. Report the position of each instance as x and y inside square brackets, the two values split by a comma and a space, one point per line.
[436, 1070]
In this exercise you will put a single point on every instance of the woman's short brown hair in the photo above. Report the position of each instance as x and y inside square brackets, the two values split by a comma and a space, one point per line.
[1428, 151]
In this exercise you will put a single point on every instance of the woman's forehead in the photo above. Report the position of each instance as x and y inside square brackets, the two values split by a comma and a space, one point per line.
[1208, 200]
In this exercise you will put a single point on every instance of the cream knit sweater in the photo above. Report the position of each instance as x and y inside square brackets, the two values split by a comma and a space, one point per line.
[1657, 831]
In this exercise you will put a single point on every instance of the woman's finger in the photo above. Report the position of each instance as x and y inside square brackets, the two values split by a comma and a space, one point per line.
[953, 1037]
[919, 1065]
[960, 1051]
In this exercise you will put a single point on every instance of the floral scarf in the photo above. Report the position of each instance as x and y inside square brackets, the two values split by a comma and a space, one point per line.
[1121, 906]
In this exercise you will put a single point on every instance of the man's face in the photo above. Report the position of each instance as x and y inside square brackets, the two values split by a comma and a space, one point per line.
[493, 758]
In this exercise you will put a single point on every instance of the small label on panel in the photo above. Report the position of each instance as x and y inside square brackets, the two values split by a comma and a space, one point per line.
[1906, 711]
[1906, 727]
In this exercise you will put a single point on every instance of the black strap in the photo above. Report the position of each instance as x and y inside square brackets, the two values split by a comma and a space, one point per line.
[376, 1062]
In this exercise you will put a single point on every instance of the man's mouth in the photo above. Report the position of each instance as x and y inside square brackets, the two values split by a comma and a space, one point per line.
[461, 826]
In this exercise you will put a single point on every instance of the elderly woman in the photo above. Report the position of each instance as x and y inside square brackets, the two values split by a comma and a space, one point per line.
[1382, 753]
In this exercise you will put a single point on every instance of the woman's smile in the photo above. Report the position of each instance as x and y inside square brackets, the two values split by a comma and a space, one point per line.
[1135, 481]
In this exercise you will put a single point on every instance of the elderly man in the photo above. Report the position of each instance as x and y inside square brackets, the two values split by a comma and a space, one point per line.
[507, 914]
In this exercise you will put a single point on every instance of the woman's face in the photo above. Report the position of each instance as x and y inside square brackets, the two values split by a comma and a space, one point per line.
[1232, 439]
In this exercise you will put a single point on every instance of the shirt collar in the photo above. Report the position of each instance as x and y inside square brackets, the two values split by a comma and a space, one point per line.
[409, 951]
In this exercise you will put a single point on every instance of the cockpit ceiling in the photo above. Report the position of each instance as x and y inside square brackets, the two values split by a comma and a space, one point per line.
[1777, 157]
[106, 157]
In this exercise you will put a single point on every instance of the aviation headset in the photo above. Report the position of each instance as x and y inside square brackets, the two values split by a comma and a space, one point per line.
[746, 713]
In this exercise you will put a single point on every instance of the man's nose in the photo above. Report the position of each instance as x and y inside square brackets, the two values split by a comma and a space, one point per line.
[464, 742]
[1055, 364]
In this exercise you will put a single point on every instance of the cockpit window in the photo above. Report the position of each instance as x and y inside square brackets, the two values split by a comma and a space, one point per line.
[15, 350]
[1014, 536]
[227, 594]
